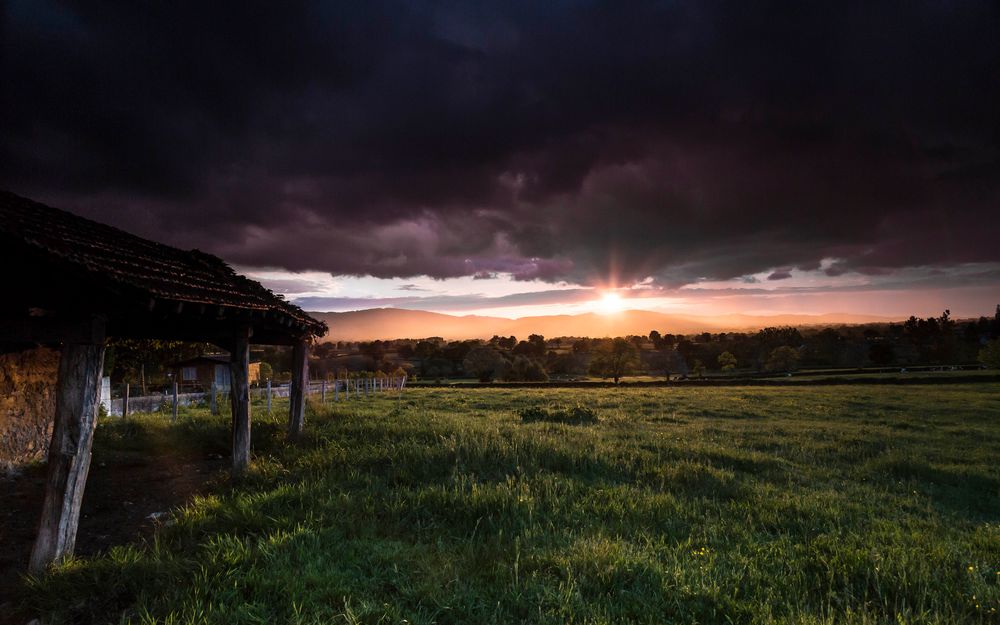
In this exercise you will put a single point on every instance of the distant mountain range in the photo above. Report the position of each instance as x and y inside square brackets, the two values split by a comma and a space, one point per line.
[396, 323]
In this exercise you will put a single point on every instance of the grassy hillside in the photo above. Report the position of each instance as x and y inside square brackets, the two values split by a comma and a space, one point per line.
[725, 505]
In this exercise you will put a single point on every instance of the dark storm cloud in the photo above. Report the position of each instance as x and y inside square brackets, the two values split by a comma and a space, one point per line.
[580, 141]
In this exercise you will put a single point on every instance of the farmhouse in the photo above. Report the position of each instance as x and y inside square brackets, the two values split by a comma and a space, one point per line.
[199, 374]
[71, 284]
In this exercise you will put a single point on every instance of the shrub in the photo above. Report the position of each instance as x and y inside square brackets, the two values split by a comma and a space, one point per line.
[578, 415]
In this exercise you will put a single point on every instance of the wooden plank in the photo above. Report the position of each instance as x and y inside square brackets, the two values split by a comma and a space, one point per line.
[77, 391]
[296, 395]
[239, 397]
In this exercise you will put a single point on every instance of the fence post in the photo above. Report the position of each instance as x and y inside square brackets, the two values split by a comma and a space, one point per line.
[269, 397]
[336, 390]
[215, 399]
[125, 403]
[322, 390]
[175, 402]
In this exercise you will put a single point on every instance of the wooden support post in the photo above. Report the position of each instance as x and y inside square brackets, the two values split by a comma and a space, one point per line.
[239, 398]
[336, 390]
[174, 415]
[125, 402]
[215, 399]
[322, 391]
[77, 391]
[296, 394]
[269, 397]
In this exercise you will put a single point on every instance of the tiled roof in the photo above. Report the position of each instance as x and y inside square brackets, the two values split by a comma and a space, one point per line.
[116, 256]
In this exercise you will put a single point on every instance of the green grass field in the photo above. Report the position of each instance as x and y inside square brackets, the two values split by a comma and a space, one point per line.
[713, 505]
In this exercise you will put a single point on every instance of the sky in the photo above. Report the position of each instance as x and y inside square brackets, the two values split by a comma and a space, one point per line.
[521, 158]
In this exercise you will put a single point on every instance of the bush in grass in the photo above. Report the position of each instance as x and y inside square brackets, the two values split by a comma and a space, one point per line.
[577, 415]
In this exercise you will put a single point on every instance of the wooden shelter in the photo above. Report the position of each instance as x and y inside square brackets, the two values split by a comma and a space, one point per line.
[72, 282]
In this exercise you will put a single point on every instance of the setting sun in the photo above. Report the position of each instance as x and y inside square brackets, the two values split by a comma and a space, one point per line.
[610, 303]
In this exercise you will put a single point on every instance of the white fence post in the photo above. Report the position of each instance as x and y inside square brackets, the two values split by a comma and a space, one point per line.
[106, 394]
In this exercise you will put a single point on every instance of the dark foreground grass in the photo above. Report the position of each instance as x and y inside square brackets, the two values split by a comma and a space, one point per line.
[725, 505]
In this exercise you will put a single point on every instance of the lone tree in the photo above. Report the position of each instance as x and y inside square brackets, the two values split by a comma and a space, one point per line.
[484, 363]
[614, 358]
[783, 358]
[727, 361]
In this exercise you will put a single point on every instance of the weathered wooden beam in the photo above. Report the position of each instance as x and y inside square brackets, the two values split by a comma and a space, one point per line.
[297, 393]
[77, 391]
[239, 394]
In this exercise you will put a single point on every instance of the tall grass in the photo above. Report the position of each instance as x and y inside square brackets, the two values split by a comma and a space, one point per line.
[725, 505]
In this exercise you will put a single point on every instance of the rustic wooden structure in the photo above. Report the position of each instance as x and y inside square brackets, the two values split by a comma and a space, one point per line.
[202, 372]
[73, 282]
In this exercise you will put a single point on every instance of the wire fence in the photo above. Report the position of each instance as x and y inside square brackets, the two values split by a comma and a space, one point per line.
[172, 399]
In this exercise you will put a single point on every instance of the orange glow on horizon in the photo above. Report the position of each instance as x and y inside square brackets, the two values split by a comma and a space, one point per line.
[611, 303]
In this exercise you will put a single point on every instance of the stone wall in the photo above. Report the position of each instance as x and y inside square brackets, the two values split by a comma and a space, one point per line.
[27, 405]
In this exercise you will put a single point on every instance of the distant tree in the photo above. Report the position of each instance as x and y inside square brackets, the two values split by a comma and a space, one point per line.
[768, 339]
[567, 364]
[655, 338]
[882, 353]
[727, 361]
[581, 346]
[425, 349]
[989, 355]
[698, 369]
[525, 369]
[783, 358]
[507, 343]
[266, 372]
[537, 342]
[485, 363]
[614, 358]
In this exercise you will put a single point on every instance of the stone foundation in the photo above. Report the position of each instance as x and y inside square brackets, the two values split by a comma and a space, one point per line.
[27, 405]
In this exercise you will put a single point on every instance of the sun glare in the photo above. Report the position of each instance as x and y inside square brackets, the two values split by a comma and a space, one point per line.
[610, 303]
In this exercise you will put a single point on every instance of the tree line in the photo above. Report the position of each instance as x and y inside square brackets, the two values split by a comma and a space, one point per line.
[931, 341]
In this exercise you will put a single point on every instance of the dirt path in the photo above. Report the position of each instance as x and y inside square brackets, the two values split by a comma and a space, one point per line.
[121, 495]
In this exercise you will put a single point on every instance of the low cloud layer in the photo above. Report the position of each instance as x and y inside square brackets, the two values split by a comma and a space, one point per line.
[586, 142]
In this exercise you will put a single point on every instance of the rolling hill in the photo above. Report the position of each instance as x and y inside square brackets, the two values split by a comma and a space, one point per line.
[394, 323]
